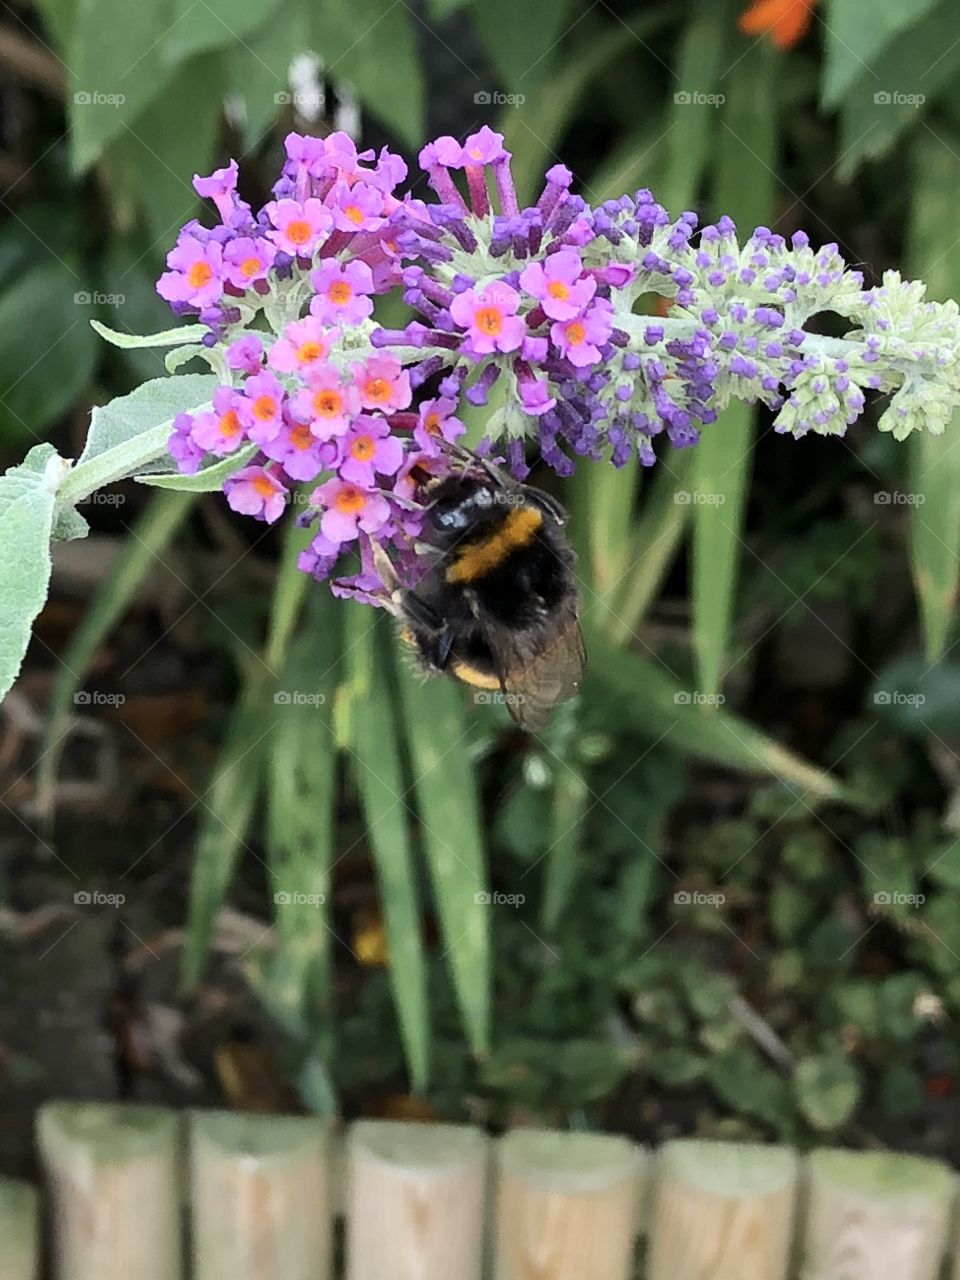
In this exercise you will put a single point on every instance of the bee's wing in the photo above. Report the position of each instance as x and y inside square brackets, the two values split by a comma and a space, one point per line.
[534, 678]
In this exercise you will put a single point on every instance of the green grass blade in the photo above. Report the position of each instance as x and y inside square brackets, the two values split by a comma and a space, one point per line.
[693, 122]
[935, 460]
[149, 536]
[451, 830]
[744, 188]
[227, 809]
[372, 724]
[569, 804]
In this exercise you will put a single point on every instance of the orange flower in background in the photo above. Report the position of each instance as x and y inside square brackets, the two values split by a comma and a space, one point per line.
[785, 21]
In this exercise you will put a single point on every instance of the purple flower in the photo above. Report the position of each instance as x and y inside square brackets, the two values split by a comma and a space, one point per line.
[482, 147]
[261, 408]
[435, 423]
[326, 404]
[382, 383]
[298, 227]
[357, 208]
[303, 456]
[182, 447]
[245, 354]
[195, 273]
[304, 347]
[347, 508]
[489, 316]
[220, 431]
[221, 188]
[254, 491]
[247, 261]
[580, 339]
[559, 284]
[368, 449]
[342, 292]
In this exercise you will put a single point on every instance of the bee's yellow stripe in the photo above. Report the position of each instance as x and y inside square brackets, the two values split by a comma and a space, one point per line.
[476, 559]
[470, 675]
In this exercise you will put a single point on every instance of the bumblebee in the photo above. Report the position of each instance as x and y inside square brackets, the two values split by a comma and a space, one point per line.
[497, 606]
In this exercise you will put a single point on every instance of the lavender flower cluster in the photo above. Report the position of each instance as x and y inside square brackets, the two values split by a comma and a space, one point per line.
[544, 303]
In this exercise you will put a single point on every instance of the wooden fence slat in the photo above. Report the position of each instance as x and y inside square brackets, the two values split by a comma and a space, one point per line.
[18, 1230]
[568, 1206]
[113, 1178]
[723, 1211]
[875, 1216]
[260, 1197]
[415, 1201]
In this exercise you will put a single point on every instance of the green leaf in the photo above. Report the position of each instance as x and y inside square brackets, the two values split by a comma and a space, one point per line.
[133, 430]
[856, 33]
[184, 333]
[47, 351]
[227, 809]
[692, 121]
[521, 40]
[147, 539]
[935, 460]
[26, 521]
[351, 37]
[213, 24]
[258, 69]
[374, 731]
[571, 801]
[451, 830]
[827, 1090]
[743, 188]
[207, 479]
[116, 69]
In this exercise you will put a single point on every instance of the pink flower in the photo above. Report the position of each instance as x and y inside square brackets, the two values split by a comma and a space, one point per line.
[356, 208]
[341, 292]
[349, 508]
[437, 423]
[246, 261]
[262, 407]
[320, 557]
[558, 283]
[482, 147]
[253, 491]
[182, 447]
[444, 150]
[245, 354]
[580, 339]
[302, 454]
[194, 275]
[221, 188]
[220, 431]
[383, 383]
[298, 227]
[303, 348]
[327, 403]
[489, 316]
[369, 448]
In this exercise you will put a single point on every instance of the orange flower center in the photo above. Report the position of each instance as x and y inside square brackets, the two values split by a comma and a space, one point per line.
[363, 448]
[432, 424]
[340, 293]
[557, 289]
[298, 231]
[200, 273]
[488, 320]
[350, 499]
[229, 423]
[354, 213]
[377, 389]
[309, 351]
[264, 408]
[327, 403]
[250, 266]
[265, 486]
[575, 333]
[301, 437]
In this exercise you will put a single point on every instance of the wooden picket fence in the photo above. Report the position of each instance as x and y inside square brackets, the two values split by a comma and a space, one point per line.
[133, 1192]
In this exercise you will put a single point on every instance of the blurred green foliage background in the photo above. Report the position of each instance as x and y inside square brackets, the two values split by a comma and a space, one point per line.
[721, 893]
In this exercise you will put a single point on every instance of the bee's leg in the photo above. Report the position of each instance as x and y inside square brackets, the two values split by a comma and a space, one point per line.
[407, 604]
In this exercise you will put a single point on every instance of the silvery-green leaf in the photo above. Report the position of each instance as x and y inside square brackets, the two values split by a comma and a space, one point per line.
[166, 338]
[206, 480]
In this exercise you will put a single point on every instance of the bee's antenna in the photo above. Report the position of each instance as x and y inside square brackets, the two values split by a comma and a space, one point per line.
[491, 468]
